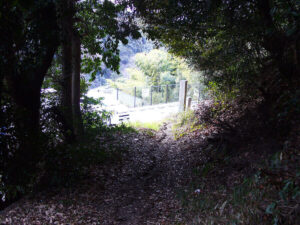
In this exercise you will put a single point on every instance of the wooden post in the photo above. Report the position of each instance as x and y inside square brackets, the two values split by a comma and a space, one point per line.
[182, 95]
[166, 93]
[189, 103]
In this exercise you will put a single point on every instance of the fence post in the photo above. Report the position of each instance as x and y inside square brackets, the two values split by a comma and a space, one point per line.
[166, 93]
[199, 94]
[182, 95]
[134, 104]
[189, 103]
[117, 93]
[151, 95]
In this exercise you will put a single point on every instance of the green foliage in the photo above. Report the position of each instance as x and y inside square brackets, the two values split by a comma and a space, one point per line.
[102, 30]
[241, 192]
[287, 190]
[150, 125]
[269, 196]
[161, 67]
[31, 122]
[219, 95]
[91, 118]
[154, 64]
[243, 46]
[185, 123]
[158, 67]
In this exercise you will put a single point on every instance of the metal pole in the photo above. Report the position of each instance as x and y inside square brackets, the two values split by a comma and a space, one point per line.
[151, 95]
[166, 93]
[134, 97]
[117, 93]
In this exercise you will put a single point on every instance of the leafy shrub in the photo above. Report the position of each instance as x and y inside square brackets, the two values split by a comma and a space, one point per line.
[219, 95]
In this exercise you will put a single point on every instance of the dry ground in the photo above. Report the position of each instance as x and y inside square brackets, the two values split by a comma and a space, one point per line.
[165, 181]
[141, 189]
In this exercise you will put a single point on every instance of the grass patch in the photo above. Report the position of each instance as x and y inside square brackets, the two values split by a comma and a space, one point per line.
[150, 125]
[185, 123]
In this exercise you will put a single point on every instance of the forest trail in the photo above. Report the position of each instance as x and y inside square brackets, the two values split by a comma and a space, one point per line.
[159, 180]
[141, 189]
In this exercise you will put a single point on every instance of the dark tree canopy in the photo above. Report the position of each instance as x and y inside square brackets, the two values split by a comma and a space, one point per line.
[239, 43]
[103, 26]
[28, 42]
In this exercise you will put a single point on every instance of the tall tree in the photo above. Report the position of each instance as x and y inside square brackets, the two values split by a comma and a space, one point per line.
[76, 60]
[31, 33]
[27, 54]
[67, 12]
[28, 36]
[97, 27]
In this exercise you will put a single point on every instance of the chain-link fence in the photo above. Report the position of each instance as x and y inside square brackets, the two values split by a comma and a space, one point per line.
[197, 92]
[130, 98]
[143, 96]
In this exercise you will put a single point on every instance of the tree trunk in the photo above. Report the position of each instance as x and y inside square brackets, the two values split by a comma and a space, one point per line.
[67, 11]
[25, 90]
[76, 61]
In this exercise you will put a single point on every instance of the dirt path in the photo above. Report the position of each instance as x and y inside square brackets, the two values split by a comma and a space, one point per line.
[140, 190]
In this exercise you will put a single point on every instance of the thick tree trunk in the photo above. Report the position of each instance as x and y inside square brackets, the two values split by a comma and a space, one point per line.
[25, 90]
[66, 8]
[76, 61]
[28, 55]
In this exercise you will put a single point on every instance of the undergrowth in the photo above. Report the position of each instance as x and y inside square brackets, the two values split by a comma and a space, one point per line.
[185, 123]
[245, 177]
[266, 197]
